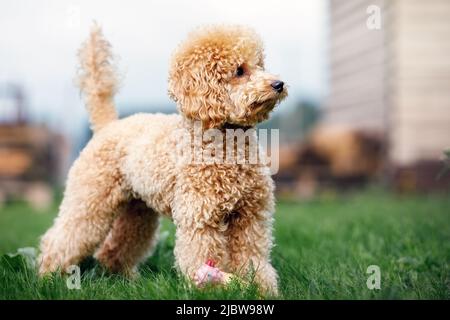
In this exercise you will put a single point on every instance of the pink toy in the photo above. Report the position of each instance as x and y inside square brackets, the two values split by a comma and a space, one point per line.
[208, 273]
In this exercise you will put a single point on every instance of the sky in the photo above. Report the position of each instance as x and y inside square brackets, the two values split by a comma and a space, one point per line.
[39, 40]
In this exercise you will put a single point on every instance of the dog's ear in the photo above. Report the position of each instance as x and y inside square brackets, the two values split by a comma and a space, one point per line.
[199, 95]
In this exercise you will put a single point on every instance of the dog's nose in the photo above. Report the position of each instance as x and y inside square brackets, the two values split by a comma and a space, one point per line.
[278, 86]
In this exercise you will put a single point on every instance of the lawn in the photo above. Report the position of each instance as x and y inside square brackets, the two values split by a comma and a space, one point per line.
[324, 247]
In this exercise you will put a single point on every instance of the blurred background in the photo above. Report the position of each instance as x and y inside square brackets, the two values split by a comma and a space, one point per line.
[369, 100]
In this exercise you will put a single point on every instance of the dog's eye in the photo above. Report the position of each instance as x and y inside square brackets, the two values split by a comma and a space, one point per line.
[239, 71]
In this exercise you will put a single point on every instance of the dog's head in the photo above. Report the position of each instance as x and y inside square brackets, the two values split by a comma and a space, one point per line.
[217, 76]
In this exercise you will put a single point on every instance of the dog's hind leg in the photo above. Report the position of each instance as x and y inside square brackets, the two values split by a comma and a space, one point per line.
[131, 239]
[93, 194]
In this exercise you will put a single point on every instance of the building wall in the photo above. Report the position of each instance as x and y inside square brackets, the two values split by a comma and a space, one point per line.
[357, 66]
[419, 80]
[396, 79]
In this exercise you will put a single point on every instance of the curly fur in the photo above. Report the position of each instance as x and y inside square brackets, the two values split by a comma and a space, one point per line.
[97, 79]
[127, 175]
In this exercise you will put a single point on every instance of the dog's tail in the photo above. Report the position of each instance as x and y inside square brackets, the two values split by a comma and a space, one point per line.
[97, 79]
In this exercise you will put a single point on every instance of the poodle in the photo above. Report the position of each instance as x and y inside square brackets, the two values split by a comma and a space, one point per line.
[128, 176]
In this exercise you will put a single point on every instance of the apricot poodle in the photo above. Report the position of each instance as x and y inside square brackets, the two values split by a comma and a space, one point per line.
[128, 175]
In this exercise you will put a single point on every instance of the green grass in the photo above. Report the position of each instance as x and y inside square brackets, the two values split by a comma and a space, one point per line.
[323, 250]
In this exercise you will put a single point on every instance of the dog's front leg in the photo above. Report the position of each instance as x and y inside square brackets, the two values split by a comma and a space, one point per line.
[250, 240]
[199, 234]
